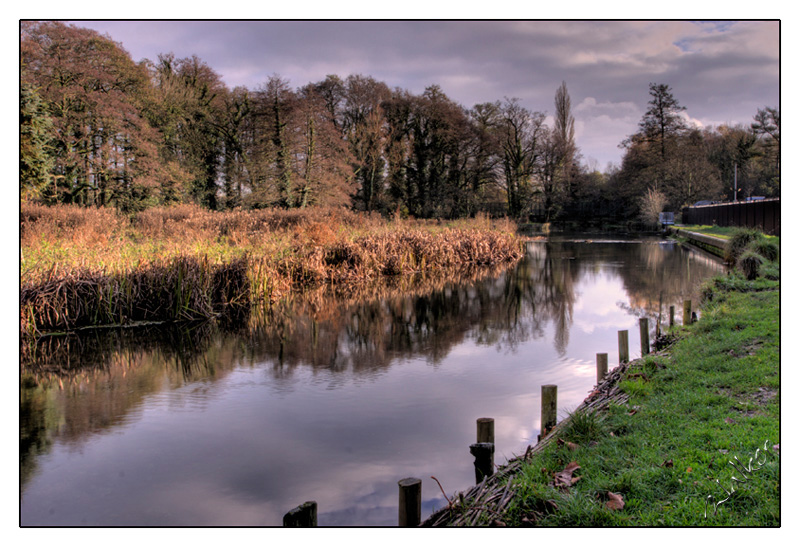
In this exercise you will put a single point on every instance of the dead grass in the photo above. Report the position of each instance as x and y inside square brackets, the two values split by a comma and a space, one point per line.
[84, 267]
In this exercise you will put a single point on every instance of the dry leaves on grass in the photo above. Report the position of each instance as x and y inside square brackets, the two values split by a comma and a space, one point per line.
[569, 445]
[615, 502]
[564, 479]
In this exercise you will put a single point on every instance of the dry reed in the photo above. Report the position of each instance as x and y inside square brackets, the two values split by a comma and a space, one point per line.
[84, 267]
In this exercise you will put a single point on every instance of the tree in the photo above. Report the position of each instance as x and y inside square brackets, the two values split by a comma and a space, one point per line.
[651, 152]
[564, 136]
[332, 90]
[521, 132]
[105, 151]
[365, 129]
[321, 162]
[691, 176]
[732, 151]
[767, 128]
[650, 205]
[236, 110]
[35, 152]
[662, 121]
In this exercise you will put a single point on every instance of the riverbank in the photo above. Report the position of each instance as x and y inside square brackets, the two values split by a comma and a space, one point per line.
[649, 445]
[84, 267]
[712, 239]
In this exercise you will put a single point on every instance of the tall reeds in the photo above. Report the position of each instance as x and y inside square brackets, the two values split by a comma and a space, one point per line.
[83, 267]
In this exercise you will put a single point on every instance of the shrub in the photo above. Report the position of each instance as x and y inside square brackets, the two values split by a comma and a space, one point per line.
[749, 263]
[739, 241]
[766, 248]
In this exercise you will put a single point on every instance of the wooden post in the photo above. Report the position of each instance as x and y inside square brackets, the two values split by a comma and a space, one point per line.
[671, 316]
[485, 430]
[549, 409]
[484, 460]
[623, 346]
[644, 332]
[302, 516]
[410, 502]
[602, 366]
[687, 312]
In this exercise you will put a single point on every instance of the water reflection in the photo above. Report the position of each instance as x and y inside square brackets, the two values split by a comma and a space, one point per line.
[331, 397]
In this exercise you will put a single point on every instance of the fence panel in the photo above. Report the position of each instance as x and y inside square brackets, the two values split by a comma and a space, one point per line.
[764, 214]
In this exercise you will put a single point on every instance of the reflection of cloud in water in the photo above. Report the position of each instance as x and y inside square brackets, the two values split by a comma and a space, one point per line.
[337, 401]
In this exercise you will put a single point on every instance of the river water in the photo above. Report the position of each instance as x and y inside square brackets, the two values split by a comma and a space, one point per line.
[333, 398]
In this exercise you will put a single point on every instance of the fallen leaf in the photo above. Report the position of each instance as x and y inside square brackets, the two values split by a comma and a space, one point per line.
[564, 479]
[632, 412]
[688, 469]
[667, 463]
[730, 421]
[615, 502]
[569, 445]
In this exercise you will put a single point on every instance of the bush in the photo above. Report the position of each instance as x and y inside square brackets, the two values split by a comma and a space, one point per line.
[749, 263]
[766, 248]
[739, 241]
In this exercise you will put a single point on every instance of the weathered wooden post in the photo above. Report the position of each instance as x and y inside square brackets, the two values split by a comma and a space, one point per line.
[484, 460]
[549, 409]
[671, 316]
[410, 502]
[622, 337]
[644, 332]
[485, 430]
[602, 366]
[687, 312]
[302, 516]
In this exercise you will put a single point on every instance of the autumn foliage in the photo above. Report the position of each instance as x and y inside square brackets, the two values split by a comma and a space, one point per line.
[89, 266]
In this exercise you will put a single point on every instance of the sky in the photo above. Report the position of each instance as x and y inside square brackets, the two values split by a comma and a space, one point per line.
[722, 72]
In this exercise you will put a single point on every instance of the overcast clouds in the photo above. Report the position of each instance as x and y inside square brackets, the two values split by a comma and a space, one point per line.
[721, 72]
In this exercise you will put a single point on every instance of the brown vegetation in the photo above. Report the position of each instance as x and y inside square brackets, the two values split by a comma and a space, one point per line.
[82, 267]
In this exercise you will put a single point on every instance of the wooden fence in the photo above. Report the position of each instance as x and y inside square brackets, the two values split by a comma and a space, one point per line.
[764, 214]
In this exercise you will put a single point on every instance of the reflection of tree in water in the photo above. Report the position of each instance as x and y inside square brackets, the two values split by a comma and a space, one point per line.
[360, 334]
[79, 384]
[76, 385]
[668, 274]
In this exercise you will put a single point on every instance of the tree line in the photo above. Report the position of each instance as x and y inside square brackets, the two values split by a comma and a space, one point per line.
[96, 128]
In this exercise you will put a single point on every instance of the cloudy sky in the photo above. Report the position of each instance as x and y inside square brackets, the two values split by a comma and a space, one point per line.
[722, 72]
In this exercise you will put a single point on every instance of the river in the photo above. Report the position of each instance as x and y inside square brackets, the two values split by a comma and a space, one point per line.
[332, 398]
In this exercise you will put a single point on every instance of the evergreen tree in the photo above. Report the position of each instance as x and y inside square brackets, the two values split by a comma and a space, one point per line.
[35, 151]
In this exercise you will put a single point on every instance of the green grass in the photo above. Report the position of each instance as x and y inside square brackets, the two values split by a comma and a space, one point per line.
[724, 232]
[715, 396]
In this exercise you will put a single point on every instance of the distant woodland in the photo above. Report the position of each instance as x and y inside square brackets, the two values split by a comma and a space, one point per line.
[98, 129]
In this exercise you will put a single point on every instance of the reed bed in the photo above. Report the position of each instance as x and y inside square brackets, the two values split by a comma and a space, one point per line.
[82, 267]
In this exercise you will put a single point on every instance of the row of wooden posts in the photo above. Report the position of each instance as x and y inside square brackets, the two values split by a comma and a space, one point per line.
[410, 502]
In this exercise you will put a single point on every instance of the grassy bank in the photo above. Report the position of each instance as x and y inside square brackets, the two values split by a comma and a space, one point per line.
[724, 232]
[83, 267]
[654, 455]
[713, 398]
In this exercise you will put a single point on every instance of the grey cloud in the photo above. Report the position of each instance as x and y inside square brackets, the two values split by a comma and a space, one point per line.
[719, 71]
